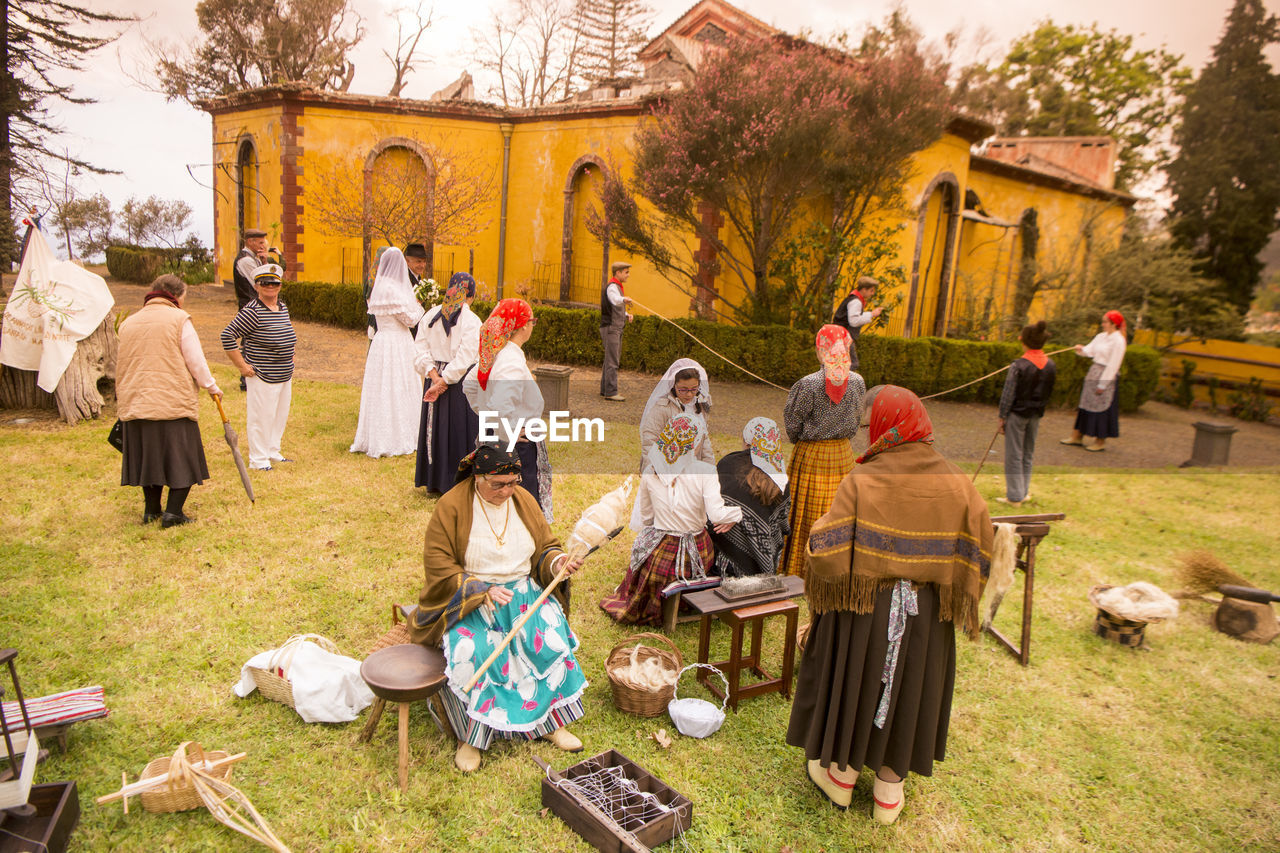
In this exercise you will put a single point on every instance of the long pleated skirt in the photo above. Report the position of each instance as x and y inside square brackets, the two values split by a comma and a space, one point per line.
[446, 432]
[163, 453]
[839, 685]
[815, 472]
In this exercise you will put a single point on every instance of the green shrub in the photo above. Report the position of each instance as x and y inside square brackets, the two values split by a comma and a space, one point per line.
[778, 353]
[130, 263]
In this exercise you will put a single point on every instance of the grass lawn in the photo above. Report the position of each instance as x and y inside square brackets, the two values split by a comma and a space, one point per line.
[1092, 747]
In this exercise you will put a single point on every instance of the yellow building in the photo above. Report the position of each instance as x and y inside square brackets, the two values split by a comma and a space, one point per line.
[315, 169]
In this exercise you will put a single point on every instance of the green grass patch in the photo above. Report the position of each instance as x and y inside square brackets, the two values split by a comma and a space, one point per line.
[1092, 747]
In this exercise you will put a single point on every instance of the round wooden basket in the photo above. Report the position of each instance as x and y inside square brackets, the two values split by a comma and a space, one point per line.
[179, 797]
[274, 680]
[635, 699]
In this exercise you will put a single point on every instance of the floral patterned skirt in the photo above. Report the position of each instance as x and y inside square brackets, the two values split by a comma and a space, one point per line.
[534, 686]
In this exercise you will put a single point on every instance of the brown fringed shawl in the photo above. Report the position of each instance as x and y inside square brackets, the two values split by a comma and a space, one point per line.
[449, 593]
[904, 513]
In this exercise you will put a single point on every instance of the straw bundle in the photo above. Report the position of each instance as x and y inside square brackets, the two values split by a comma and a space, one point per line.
[1202, 571]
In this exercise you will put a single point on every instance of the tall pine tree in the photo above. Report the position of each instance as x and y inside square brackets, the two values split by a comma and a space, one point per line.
[1225, 179]
[38, 44]
[611, 32]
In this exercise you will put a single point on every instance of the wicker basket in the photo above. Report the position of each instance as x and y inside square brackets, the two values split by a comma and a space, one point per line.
[1127, 632]
[171, 797]
[274, 680]
[641, 700]
[397, 635]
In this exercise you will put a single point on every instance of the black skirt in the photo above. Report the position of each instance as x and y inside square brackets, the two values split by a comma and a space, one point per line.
[1100, 424]
[838, 689]
[163, 453]
[451, 437]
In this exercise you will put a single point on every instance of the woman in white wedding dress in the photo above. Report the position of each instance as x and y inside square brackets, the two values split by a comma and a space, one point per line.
[391, 396]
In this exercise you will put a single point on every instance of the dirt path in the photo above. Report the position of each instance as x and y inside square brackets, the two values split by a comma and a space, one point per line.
[1157, 436]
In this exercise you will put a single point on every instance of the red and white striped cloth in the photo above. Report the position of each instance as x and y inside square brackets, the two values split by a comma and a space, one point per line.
[59, 708]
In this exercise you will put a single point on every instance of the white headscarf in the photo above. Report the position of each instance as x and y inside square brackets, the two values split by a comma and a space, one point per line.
[668, 381]
[764, 440]
[673, 452]
[392, 293]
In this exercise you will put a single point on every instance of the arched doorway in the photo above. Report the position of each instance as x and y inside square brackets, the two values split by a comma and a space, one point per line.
[399, 184]
[933, 265]
[247, 207]
[584, 259]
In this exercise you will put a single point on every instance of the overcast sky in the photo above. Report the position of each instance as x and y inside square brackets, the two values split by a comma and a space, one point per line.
[152, 142]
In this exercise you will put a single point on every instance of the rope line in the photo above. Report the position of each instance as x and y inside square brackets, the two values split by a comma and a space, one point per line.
[730, 361]
[707, 347]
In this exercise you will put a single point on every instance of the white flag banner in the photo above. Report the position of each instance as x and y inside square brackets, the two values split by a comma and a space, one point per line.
[54, 304]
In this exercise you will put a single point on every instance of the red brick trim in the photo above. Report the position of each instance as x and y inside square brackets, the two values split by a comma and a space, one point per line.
[290, 187]
[707, 257]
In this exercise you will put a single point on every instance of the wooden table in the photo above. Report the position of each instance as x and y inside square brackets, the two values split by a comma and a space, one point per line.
[1031, 529]
[738, 614]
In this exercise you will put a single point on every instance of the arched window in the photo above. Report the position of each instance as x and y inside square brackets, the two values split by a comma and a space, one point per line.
[399, 186]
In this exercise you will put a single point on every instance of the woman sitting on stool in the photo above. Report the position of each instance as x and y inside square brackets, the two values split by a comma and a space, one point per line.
[489, 554]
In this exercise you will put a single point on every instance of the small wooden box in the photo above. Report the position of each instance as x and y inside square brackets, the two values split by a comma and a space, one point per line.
[57, 812]
[651, 833]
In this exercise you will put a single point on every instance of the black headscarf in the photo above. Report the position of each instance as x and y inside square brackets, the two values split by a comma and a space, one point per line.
[487, 459]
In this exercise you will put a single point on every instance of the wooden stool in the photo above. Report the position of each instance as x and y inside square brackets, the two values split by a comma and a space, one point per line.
[404, 674]
[732, 668]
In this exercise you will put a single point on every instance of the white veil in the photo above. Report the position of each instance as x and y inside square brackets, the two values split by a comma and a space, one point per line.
[392, 293]
[668, 380]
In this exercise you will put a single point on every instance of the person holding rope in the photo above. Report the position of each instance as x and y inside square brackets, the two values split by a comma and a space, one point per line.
[852, 314]
[678, 495]
[1027, 390]
[614, 318]
[1098, 415]
[489, 553]
[896, 565]
[821, 417]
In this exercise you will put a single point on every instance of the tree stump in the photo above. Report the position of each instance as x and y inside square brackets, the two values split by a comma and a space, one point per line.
[77, 396]
[1246, 620]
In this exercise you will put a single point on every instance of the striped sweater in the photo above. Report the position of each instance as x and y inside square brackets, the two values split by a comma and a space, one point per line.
[266, 338]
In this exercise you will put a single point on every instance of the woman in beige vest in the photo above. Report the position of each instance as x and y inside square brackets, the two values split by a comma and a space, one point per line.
[160, 364]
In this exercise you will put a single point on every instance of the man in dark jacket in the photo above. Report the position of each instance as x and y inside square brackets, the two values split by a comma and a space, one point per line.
[1027, 390]
[852, 313]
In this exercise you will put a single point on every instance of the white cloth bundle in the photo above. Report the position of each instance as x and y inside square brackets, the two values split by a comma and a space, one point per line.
[327, 688]
[599, 520]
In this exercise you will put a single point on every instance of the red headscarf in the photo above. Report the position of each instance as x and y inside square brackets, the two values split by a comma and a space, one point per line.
[508, 316]
[897, 417]
[1116, 318]
[833, 351]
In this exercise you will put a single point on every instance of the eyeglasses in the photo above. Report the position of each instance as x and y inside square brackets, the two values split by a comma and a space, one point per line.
[498, 486]
[686, 392]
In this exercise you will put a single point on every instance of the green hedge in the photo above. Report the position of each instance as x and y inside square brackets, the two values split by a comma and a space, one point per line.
[778, 353]
[140, 266]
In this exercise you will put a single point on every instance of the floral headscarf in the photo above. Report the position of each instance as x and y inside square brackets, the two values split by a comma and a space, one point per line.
[833, 351]
[897, 417]
[673, 451]
[764, 440]
[461, 287]
[508, 316]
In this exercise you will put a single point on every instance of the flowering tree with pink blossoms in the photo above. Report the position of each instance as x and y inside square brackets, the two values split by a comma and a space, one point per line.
[790, 146]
